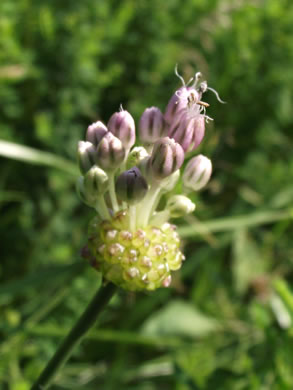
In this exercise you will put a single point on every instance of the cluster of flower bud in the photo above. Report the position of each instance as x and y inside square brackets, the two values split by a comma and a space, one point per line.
[124, 179]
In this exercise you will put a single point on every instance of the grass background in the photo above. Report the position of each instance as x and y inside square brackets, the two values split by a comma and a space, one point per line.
[226, 323]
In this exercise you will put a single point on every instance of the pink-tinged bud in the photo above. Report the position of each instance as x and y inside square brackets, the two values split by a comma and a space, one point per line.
[197, 173]
[167, 156]
[199, 131]
[152, 125]
[188, 132]
[182, 132]
[86, 154]
[122, 125]
[183, 101]
[131, 186]
[110, 152]
[95, 132]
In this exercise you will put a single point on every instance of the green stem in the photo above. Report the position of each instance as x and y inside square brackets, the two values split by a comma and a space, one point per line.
[112, 192]
[132, 217]
[84, 323]
[102, 208]
[147, 205]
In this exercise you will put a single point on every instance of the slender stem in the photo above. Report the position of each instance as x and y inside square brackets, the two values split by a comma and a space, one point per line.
[84, 323]
[147, 204]
[102, 208]
[113, 193]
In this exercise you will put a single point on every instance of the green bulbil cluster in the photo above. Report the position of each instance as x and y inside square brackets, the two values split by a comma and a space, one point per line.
[140, 260]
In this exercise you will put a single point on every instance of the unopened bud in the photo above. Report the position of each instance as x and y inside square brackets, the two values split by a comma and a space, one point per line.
[188, 132]
[136, 155]
[95, 132]
[197, 173]
[96, 181]
[122, 125]
[131, 186]
[167, 156]
[110, 152]
[180, 205]
[198, 132]
[180, 103]
[86, 155]
[182, 132]
[152, 125]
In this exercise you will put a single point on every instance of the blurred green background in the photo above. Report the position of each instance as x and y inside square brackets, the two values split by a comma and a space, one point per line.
[227, 321]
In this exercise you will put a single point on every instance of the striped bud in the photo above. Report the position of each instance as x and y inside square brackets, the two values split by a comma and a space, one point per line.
[110, 152]
[152, 125]
[198, 131]
[180, 205]
[197, 173]
[95, 132]
[182, 132]
[131, 186]
[96, 181]
[122, 125]
[86, 154]
[188, 132]
[167, 156]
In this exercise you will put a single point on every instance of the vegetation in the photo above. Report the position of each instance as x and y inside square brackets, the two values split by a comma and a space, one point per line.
[227, 321]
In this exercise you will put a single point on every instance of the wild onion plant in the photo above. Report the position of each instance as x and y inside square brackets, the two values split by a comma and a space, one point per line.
[128, 181]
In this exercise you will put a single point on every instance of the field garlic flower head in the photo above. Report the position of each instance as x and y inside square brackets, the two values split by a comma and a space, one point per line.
[131, 241]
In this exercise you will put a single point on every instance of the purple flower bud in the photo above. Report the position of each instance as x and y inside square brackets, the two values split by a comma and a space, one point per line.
[182, 132]
[110, 152]
[152, 125]
[95, 132]
[184, 101]
[86, 154]
[167, 156]
[197, 173]
[188, 132]
[131, 186]
[199, 131]
[122, 125]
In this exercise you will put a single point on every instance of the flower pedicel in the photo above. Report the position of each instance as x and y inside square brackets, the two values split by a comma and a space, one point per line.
[130, 241]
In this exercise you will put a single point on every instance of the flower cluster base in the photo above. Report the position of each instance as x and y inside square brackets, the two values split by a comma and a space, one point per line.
[140, 260]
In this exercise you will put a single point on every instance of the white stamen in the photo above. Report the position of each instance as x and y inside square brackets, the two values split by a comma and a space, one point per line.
[179, 76]
[217, 95]
[197, 77]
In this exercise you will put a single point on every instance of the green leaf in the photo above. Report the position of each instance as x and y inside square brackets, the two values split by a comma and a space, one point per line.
[35, 156]
[236, 222]
[181, 319]
[248, 262]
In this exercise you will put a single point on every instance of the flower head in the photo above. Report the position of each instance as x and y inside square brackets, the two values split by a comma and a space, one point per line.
[131, 240]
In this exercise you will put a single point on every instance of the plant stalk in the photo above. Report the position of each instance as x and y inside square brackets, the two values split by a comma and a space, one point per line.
[84, 323]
